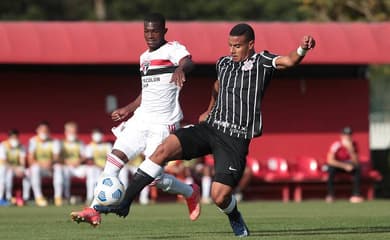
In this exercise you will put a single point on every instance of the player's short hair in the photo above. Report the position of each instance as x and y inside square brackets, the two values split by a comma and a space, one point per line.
[346, 130]
[44, 123]
[156, 18]
[243, 29]
[13, 132]
[70, 124]
[97, 130]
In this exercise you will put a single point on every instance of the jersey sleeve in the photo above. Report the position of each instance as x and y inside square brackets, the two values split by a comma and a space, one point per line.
[22, 151]
[32, 145]
[82, 149]
[269, 58]
[2, 153]
[334, 147]
[88, 151]
[177, 52]
[56, 147]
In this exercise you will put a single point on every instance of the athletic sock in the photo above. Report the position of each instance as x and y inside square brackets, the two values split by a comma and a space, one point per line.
[113, 165]
[146, 173]
[231, 210]
[206, 185]
[139, 181]
[170, 184]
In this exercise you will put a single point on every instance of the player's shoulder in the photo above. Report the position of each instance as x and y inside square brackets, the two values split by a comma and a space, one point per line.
[174, 43]
[33, 139]
[224, 59]
[335, 146]
[267, 55]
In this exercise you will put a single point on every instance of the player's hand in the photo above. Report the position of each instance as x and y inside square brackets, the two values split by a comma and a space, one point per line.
[120, 114]
[349, 167]
[203, 117]
[178, 77]
[122, 210]
[308, 42]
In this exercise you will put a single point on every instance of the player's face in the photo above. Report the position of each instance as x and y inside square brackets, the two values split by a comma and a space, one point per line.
[154, 34]
[43, 132]
[240, 48]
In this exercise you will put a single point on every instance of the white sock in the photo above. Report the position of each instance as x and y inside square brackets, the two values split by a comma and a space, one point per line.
[206, 185]
[144, 196]
[170, 184]
[113, 165]
[151, 168]
[231, 206]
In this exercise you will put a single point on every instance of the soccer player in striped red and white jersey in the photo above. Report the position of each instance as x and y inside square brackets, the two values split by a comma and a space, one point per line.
[157, 113]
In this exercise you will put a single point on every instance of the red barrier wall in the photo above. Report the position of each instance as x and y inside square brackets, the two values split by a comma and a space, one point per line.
[301, 117]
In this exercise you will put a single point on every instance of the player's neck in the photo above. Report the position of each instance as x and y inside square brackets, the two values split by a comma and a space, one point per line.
[163, 42]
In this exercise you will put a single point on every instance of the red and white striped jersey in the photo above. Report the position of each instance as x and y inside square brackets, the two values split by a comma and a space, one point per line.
[160, 97]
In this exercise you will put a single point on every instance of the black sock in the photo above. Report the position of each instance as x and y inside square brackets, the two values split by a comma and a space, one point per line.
[235, 214]
[139, 181]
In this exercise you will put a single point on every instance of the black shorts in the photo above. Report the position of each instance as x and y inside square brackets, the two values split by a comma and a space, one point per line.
[229, 152]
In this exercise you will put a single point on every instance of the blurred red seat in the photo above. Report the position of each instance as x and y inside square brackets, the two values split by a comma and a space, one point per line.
[276, 170]
[306, 170]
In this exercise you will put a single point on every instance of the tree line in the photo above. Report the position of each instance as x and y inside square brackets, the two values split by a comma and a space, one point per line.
[180, 10]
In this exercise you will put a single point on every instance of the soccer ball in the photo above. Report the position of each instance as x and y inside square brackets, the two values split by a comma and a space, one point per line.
[109, 191]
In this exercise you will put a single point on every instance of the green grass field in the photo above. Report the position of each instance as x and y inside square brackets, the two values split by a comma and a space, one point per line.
[266, 220]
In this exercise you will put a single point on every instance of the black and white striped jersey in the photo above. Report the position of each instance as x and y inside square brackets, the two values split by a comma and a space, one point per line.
[237, 110]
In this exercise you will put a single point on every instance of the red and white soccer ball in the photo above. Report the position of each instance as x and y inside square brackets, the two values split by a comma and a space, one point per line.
[109, 191]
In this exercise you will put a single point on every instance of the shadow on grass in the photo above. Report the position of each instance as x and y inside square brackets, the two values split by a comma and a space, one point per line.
[321, 231]
[311, 231]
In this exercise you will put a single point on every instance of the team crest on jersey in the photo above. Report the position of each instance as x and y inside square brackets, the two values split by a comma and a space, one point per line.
[145, 66]
[248, 65]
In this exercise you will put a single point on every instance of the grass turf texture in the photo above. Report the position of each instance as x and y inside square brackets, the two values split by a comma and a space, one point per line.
[266, 220]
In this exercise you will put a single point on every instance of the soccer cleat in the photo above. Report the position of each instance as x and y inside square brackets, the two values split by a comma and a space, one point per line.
[41, 202]
[238, 225]
[4, 203]
[19, 202]
[58, 201]
[122, 210]
[356, 199]
[329, 199]
[87, 215]
[193, 203]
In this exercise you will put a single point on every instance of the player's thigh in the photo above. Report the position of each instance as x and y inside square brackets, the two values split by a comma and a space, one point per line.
[194, 141]
[156, 134]
[230, 159]
[131, 140]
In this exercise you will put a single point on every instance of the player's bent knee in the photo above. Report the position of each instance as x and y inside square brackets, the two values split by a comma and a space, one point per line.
[219, 197]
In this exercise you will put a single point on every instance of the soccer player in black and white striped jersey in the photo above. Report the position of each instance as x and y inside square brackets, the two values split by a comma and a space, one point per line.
[225, 130]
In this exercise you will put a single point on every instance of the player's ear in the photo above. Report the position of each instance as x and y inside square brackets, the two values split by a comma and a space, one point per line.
[165, 30]
[251, 44]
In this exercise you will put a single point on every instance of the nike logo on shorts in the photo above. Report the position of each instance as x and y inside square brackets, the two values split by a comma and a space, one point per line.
[232, 169]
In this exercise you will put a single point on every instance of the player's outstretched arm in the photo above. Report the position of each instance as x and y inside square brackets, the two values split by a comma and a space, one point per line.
[121, 114]
[185, 66]
[214, 95]
[296, 56]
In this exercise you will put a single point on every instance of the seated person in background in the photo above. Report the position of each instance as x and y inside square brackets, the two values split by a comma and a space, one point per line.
[73, 155]
[12, 163]
[44, 160]
[96, 154]
[343, 157]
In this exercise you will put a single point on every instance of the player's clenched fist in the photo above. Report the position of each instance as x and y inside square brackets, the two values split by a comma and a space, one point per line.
[308, 42]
